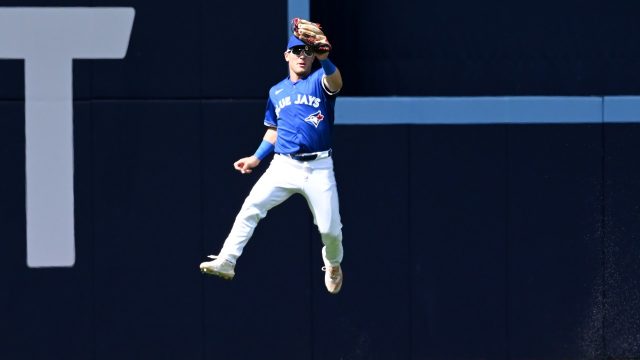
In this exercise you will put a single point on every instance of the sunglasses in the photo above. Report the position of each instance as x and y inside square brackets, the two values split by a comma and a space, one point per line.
[297, 50]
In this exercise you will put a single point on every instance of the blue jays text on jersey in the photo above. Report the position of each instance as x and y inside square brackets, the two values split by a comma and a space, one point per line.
[303, 113]
[302, 99]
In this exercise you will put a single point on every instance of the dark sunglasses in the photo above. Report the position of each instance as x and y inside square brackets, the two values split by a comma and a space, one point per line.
[297, 50]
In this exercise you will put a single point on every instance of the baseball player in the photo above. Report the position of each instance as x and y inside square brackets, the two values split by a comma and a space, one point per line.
[299, 119]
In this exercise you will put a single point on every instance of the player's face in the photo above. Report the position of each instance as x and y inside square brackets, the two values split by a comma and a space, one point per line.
[300, 59]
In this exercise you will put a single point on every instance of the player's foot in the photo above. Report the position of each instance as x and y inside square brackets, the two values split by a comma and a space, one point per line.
[333, 278]
[218, 267]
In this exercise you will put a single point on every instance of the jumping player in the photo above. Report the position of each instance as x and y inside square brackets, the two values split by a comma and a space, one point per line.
[299, 119]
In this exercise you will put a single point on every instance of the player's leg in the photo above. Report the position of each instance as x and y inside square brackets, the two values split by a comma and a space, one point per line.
[326, 213]
[270, 190]
[322, 195]
[265, 195]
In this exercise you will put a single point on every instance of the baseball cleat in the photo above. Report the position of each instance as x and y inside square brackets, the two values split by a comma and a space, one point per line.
[332, 278]
[218, 267]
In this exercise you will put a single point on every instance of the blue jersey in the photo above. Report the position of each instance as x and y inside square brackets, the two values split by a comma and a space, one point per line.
[303, 112]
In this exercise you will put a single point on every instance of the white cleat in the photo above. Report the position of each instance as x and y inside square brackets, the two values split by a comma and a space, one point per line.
[218, 267]
[333, 278]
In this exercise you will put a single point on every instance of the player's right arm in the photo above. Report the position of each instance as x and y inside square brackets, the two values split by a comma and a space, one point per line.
[246, 164]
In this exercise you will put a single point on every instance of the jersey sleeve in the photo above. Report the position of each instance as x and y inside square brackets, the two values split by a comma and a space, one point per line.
[270, 114]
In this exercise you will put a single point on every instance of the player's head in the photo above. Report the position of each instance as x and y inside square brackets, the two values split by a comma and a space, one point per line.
[300, 57]
[294, 41]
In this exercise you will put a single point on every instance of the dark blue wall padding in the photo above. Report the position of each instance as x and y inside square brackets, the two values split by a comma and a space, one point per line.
[555, 246]
[371, 321]
[487, 48]
[621, 278]
[242, 50]
[466, 241]
[501, 240]
[164, 57]
[147, 226]
[12, 74]
[457, 212]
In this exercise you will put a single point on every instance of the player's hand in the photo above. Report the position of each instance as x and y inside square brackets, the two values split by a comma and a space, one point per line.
[311, 34]
[245, 165]
[322, 56]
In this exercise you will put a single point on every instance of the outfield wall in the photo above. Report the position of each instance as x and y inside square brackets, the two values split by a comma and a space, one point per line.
[501, 223]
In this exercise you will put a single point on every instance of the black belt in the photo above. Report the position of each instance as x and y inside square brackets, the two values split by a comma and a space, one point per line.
[309, 156]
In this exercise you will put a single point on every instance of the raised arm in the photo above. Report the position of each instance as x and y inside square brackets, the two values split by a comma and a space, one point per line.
[332, 79]
[312, 34]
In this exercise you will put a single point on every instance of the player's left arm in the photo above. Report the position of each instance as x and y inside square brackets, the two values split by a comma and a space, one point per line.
[246, 164]
[332, 80]
[312, 34]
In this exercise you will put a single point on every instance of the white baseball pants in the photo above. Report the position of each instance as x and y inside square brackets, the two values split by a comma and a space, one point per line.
[315, 180]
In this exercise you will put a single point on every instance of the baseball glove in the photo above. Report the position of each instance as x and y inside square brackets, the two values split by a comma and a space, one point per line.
[311, 34]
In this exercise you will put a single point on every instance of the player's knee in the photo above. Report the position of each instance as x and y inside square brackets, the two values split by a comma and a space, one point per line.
[330, 235]
[252, 212]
